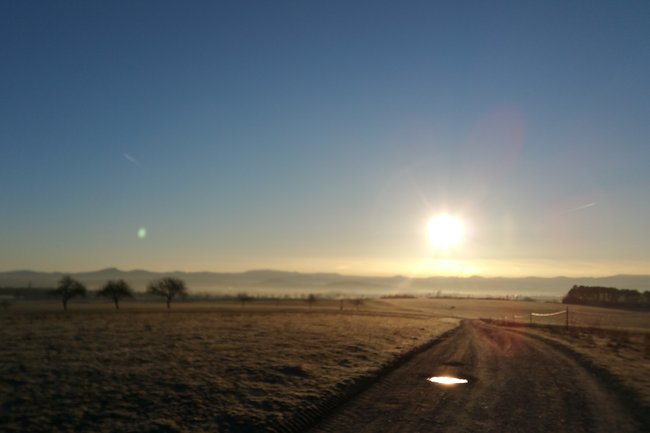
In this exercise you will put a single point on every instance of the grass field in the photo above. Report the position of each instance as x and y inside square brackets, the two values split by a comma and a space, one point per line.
[225, 368]
[189, 369]
[519, 311]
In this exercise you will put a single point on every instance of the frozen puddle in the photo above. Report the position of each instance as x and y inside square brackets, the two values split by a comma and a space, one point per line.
[446, 380]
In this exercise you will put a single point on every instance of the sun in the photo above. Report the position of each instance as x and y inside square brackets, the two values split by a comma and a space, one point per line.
[445, 231]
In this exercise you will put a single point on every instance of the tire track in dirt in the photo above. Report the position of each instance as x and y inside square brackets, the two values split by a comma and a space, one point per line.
[516, 384]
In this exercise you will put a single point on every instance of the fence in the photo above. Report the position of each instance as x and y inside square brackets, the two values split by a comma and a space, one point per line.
[521, 319]
[579, 316]
[556, 313]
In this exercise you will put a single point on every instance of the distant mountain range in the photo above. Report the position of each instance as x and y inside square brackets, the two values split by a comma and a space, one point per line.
[281, 282]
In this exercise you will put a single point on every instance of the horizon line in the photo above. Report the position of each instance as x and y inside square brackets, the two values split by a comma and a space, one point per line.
[113, 268]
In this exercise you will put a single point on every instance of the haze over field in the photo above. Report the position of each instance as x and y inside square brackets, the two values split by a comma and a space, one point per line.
[268, 282]
[360, 138]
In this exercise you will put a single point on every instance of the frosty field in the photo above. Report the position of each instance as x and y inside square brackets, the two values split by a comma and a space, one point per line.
[189, 369]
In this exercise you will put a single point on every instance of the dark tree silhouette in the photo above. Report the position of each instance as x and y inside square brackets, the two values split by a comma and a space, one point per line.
[311, 299]
[607, 297]
[357, 303]
[243, 298]
[168, 288]
[116, 290]
[69, 288]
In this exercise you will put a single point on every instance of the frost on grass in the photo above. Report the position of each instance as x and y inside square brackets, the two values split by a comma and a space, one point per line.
[187, 371]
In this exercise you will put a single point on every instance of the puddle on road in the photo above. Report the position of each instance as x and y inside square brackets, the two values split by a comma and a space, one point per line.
[447, 380]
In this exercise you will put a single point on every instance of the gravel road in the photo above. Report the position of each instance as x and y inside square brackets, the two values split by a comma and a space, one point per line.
[516, 384]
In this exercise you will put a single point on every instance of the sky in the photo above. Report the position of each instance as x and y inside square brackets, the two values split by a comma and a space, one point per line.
[324, 135]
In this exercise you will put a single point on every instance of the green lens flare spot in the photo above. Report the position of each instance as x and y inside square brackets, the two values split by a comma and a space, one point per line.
[142, 233]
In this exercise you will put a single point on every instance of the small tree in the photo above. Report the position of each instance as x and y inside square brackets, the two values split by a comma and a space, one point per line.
[243, 298]
[311, 299]
[168, 288]
[69, 288]
[116, 290]
[357, 303]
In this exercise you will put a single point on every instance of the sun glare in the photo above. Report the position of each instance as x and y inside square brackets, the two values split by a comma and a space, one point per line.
[445, 231]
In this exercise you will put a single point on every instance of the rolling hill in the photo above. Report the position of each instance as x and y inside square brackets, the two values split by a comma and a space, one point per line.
[282, 282]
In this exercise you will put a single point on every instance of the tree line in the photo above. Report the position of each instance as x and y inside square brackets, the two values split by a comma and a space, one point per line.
[607, 297]
[69, 288]
[116, 290]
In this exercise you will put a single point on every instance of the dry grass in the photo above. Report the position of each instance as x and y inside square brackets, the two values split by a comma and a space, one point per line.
[190, 369]
[519, 311]
[220, 367]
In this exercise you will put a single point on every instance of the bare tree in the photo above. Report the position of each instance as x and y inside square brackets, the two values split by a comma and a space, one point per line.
[311, 299]
[168, 288]
[357, 303]
[116, 290]
[243, 298]
[69, 288]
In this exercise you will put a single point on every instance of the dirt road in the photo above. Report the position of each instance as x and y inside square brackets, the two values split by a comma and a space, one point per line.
[516, 384]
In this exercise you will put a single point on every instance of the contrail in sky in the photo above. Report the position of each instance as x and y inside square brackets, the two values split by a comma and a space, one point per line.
[584, 206]
[132, 159]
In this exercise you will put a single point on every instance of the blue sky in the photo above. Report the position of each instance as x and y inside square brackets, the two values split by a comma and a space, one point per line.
[322, 136]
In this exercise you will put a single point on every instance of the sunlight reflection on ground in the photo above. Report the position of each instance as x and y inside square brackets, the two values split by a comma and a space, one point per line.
[446, 380]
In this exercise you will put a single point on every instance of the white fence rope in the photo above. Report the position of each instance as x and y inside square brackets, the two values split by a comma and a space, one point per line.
[548, 314]
[557, 313]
